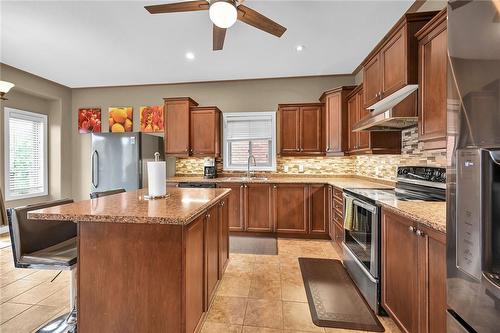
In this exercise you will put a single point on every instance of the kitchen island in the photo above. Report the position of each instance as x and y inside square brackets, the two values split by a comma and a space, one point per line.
[147, 265]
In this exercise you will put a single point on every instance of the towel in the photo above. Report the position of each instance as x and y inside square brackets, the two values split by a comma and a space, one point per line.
[348, 213]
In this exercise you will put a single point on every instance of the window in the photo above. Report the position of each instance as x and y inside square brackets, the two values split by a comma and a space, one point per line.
[25, 154]
[250, 133]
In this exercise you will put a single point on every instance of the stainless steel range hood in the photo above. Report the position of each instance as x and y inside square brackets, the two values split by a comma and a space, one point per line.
[393, 113]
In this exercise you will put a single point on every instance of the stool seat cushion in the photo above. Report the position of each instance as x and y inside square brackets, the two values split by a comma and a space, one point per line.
[61, 254]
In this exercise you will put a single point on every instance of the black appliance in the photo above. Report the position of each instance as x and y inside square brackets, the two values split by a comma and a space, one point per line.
[361, 244]
[209, 168]
[473, 202]
[197, 185]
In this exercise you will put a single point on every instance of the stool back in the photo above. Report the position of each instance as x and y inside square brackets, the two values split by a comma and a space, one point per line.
[28, 236]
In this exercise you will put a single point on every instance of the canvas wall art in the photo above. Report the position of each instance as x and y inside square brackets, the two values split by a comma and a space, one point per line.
[89, 120]
[121, 119]
[151, 118]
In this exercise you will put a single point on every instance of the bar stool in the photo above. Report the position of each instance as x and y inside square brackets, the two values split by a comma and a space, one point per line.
[95, 195]
[47, 245]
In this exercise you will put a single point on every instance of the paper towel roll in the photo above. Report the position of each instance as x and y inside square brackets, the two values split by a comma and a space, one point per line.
[157, 178]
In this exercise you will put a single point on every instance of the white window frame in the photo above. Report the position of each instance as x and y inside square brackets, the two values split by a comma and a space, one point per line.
[27, 115]
[249, 115]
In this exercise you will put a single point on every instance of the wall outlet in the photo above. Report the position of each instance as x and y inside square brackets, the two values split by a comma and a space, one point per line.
[285, 168]
[301, 167]
[377, 171]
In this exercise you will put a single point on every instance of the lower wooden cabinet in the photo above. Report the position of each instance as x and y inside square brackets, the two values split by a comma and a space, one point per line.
[211, 253]
[413, 274]
[258, 207]
[318, 209]
[236, 205]
[290, 208]
[223, 236]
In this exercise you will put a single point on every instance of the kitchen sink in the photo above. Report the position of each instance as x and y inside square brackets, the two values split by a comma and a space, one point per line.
[246, 179]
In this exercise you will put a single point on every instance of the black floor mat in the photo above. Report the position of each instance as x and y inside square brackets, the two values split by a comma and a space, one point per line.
[333, 298]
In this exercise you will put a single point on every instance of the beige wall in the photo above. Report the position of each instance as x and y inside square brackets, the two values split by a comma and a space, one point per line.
[229, 96]
[33, 93]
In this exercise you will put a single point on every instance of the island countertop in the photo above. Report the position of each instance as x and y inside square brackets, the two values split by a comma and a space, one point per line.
[180, 207]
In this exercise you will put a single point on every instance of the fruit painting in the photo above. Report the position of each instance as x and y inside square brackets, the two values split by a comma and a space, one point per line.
[89, 120]
[121, 119]
[151, 118]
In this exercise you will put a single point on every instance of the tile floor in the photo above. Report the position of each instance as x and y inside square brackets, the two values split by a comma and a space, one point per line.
[258, 293]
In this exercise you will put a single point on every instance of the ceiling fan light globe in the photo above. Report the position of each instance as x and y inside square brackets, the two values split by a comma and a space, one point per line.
[5, 86]
[223, 14]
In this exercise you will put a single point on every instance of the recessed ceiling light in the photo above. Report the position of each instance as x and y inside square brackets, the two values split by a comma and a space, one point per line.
[190, 56]
[299, 48]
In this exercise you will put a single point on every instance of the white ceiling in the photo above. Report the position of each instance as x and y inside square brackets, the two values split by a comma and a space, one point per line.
[107, 43]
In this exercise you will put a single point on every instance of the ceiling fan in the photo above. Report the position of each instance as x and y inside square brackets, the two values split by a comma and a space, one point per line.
[223, 14]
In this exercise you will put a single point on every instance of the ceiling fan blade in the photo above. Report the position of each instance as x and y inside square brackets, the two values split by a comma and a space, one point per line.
[259, 21]
[218, 37]
[187, 6]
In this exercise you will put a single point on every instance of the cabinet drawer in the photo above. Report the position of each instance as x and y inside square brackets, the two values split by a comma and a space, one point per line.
[338, 218]
[337, 194]
[339, 207]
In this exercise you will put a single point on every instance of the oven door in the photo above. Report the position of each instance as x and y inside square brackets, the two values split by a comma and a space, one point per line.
[361, 233]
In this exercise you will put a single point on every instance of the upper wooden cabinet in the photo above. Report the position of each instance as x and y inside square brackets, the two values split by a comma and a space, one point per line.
[413, 274]
[364, 142]
[205, 131]
[300, 129]
[394, 61]
[335, 120]
[432, 79]
[191, 130]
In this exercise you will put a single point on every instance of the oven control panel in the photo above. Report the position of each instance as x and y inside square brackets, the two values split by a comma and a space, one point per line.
[429, 174]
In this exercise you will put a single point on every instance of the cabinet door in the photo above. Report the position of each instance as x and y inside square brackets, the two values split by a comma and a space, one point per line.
[177, 129]
[433, 81]
[371, 82]
[352, 110]
[333, 123]
[290, 130]
[195, 275]
[432, 281]
[258, 199]
[318, 208]
[399, 270]
[211, 252]
[338, 237]
[204, 128]
[393, 64]
[331, 220]
[363, 137]
[310, 129]
[290, 208]
[235, 206]
[223, 236]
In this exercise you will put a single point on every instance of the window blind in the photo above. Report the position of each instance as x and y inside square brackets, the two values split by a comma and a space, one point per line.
[26, 160]
[249, 133]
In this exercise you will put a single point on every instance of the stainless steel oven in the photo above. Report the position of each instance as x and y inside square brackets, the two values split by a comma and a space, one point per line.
[361, 246]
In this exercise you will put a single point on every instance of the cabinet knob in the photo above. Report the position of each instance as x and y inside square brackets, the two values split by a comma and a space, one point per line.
[241, 186]
[187, 150]
[420, 233]
[208, 216]
[298, 149]
[222, 203]
[274, 186]
[327, 148]
[412, 229]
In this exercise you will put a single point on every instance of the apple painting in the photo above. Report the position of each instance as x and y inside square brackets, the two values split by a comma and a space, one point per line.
[151, 118]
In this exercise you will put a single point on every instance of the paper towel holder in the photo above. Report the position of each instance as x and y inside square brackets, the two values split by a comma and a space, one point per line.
[149, 197]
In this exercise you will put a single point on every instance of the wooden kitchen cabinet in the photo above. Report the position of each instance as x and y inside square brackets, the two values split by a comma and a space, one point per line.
[204, 131]
[235, 201]
[413, 274]
[318, 208]
[258, 207]
[211, 253]
[191, 130]
[195, 275]
[177, 127]
[432, 79]
[300, 129]
[335, 124]
[290, 208]
[223, 236]
[368, 142]
[393, 63]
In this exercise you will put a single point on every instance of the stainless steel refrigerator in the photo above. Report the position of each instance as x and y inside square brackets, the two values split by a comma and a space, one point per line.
[119, 160]
[473, 198]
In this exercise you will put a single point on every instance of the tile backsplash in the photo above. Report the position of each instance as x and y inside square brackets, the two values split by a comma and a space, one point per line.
[378, 166]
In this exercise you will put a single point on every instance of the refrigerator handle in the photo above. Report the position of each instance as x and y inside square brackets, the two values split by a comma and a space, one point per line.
[96, 154]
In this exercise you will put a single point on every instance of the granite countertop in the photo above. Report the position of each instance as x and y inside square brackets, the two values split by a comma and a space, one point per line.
[429, 213]
[180, 207]
[340, 182]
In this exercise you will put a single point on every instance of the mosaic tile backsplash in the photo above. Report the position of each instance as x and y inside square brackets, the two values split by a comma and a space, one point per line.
[379, 166]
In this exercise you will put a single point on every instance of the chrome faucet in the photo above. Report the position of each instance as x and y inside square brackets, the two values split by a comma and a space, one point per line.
[250, 156]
